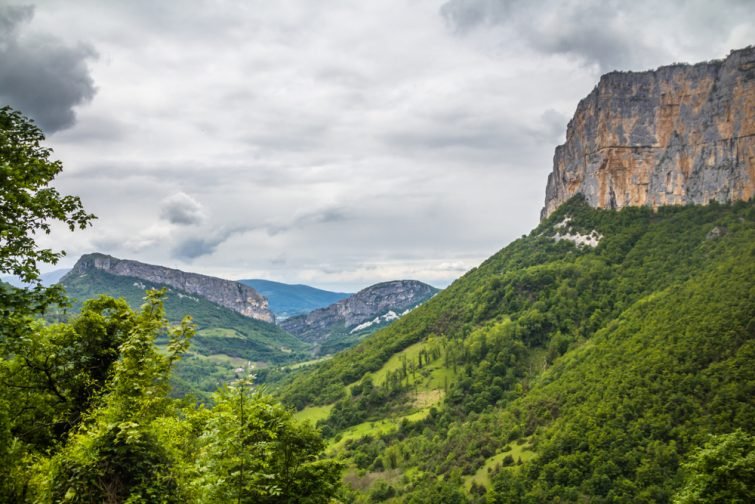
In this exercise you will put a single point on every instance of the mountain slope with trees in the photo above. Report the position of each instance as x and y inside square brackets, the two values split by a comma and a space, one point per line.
[225, 340]
[556, 370]
[84, 409]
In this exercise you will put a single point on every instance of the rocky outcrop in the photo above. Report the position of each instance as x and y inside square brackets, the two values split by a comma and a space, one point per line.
[680, 134]
[377, 301]
[233, 295]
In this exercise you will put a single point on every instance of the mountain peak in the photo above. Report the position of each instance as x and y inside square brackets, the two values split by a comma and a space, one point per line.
[233, 295]
[677, 135]
[368, 308]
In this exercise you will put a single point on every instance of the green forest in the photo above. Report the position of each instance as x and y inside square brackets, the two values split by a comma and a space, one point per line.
[561, 373]
[85, 409]
[553, 372]
[223, 339]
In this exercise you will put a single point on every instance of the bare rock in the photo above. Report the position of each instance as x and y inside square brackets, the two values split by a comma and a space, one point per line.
[678, 135]
[233, 295]
[375, 301]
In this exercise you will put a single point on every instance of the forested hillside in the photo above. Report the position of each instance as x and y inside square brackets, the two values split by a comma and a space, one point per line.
[85, 412]
[224, 338]
[556, 370]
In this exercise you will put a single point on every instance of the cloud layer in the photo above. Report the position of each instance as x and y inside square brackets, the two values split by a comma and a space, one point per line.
[332, 143]
[613, 34]
[39, 75]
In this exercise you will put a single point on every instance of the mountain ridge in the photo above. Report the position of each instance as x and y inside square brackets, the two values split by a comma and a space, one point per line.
[230, 294]
[372, 306]
[289, 300]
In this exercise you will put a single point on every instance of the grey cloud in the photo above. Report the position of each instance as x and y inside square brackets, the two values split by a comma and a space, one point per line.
[181, 209]
[94, 129]
[475, 139]
[107, 243]
[39, 76]
[551, 128]
[584, 29]
[480, 139]
[191, 248]
[194, 247]
[611, 34]
[464, 15]
[322, 216]
[279, 260]
[11, 17]
[591, 31]
[287, 133]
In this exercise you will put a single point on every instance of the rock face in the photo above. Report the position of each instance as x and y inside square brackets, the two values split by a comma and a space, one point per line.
[232, 295]
[365, 306]
[677, 135]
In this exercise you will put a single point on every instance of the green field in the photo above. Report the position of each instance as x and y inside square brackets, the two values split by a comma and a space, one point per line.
[517, 452]
[313, 413]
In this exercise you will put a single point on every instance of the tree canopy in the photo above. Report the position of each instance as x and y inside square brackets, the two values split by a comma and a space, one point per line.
[29, 206]
[85, 411]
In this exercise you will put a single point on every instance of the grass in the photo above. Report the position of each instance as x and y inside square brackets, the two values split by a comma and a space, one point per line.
[375, 428]
[308, 362]
[427, 390]
[396, 361]
[518, 452]
[219, 331]
[313, 413]
[432, 376]
[227, 359]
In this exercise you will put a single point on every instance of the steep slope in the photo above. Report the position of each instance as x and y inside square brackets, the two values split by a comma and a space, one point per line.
[600, 367]
[592, 359]
[680, 134]
[288, 300]
[232, 295]
[344, 323]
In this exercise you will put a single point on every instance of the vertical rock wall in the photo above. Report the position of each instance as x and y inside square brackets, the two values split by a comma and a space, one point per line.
[677, 135]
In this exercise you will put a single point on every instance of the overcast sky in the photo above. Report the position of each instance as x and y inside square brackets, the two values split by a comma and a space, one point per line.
[333, 143]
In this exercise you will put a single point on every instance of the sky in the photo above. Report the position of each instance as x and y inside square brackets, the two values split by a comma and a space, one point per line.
[332, 143]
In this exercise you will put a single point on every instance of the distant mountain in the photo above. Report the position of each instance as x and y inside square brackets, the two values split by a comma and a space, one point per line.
[229, 294]
[344, 323]
[49, 278]
[226, 338]
[287, 300]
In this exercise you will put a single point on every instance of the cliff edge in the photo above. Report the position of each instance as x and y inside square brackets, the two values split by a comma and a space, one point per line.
[233, 295]
[678, 135]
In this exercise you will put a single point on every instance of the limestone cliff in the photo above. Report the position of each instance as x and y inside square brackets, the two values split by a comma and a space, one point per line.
[233, 295]
[370, 307]
[677, 135]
